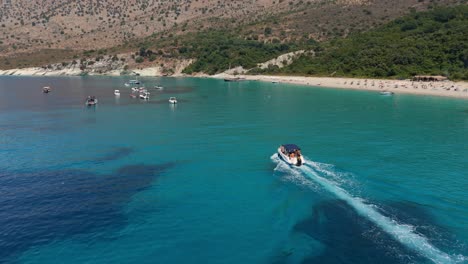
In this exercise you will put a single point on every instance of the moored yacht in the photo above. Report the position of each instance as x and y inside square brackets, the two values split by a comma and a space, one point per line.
[144, 95]
[173, 100]
[291, 154]
[117, 92]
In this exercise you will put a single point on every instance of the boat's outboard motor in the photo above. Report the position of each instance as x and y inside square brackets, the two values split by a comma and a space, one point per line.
[299, 161]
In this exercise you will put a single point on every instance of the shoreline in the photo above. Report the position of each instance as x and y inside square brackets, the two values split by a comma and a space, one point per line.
[443, 88]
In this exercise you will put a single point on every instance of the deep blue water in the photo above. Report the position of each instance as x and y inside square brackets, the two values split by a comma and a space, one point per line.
[130, 181]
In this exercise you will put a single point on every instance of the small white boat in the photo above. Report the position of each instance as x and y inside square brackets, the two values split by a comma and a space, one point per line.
[135, 89]
[274, 81]
[386, 93]
[291, 154]
[173, 100]
[134, 82]
[46, 89]
[91, 100]
[127, 84]
[144, 95]
[158, 87]
[117, 92]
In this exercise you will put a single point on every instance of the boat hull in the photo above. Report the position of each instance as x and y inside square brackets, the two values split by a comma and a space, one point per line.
[386, 93]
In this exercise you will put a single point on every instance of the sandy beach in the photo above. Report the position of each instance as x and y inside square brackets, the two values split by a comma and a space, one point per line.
[444, 88]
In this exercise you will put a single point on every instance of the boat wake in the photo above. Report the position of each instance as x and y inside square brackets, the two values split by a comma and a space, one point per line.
[328, 180]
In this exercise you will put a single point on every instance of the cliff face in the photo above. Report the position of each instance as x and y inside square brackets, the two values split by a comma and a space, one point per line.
[105, 66]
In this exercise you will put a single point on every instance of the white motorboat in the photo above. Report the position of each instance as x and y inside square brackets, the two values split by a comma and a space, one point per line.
[173, 100]
[46, 89]
[117, 92]
[127, 84]
[291, 154]
[91, 100]
[158, 87]
[144, 95]
[135, 89]
[386, 93]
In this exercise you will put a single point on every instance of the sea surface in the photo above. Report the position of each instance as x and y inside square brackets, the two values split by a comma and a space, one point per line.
[133, 181]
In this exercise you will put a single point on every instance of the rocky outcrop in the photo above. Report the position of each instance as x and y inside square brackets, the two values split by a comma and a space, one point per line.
[111, 66]
[282, 60]
[116, 65]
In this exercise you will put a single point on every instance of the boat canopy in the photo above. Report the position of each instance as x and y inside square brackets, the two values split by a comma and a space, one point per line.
[291, 148]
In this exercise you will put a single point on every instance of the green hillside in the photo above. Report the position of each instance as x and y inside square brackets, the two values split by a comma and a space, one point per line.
[433, 42]
[216, 51]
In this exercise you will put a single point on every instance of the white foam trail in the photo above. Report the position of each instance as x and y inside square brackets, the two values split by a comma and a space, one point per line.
[340, 178]
[405, 234]
[295, 177]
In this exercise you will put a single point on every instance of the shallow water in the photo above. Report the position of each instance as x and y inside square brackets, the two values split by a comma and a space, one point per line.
[132, 181]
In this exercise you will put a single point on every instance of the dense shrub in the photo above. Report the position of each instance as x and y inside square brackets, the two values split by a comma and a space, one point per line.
[139, 59]
[431, 42]
[216, 51]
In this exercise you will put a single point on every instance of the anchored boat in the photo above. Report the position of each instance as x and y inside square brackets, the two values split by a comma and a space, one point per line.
[386, 93]
[91, 100]
[234, 79]
[144, 95]
[172, 100]
[46, 89]
[291, 154]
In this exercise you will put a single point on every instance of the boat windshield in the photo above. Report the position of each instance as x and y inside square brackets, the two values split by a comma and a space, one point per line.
[291, 148]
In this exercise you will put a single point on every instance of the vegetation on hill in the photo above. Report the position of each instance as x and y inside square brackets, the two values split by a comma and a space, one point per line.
[433, 42]
[216, 51]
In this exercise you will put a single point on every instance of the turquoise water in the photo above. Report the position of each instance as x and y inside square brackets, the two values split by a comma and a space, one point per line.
[130, 181]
